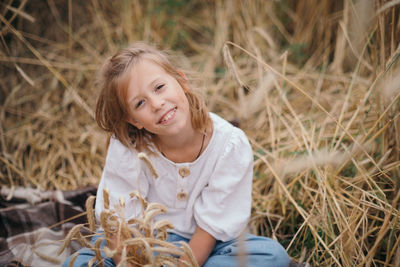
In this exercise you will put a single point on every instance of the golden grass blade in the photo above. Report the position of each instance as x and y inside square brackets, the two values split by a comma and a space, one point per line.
[72, 233]
[90, 212]
[145, 158]
[123, 262]
[17, 170]
[135, 232]
[173, 251]
[47, 257]
[149, 216]
[162, 225]
[25, 76]
[143, 202]
[387, 5]
[91, 262]
[73, 258]
[106, 197]
[382, 232]
[56, 64]
[97, 251]
[21, 13]
[188, 252]
[15, 15]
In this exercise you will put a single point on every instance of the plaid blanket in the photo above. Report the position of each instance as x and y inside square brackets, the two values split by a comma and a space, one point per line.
[32, 228]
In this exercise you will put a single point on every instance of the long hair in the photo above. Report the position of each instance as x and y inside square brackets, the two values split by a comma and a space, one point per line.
[112, 107]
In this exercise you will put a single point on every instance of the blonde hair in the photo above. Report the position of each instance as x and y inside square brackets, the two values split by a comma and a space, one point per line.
[112, 109]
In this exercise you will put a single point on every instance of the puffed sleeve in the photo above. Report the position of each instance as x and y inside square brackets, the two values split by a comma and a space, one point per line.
[121, 175]
[223, 208]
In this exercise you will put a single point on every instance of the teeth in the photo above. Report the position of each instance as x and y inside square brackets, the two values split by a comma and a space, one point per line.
[169, 115]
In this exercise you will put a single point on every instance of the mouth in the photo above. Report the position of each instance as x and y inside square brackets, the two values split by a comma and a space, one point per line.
[167, 116]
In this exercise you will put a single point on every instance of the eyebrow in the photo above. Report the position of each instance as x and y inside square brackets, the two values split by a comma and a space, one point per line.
[155, 81]
[151, 84]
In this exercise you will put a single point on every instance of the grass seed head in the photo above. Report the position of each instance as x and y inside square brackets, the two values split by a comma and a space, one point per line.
[71, 234]
[149, 164]
[90, 212]
[106, 197]
[135, 237]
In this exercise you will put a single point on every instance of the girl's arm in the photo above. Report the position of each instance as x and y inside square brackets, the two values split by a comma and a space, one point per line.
[201, 243]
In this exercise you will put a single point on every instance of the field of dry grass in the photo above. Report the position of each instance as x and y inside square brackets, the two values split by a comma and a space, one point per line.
[314, 84]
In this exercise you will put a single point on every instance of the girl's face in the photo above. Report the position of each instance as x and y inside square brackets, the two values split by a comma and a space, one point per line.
[156, 100]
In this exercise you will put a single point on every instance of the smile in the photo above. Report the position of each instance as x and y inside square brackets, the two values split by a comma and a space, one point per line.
[168, 116]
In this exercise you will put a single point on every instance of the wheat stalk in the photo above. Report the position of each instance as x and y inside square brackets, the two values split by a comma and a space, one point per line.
[149, 164]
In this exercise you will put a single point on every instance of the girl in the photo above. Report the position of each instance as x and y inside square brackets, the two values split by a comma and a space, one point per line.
[205, 163]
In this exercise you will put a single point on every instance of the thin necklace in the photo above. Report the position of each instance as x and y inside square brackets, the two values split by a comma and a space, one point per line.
[202, 144]
[201, 147]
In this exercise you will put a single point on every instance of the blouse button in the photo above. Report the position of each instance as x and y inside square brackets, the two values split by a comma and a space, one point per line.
[182, 195]
[184, 171]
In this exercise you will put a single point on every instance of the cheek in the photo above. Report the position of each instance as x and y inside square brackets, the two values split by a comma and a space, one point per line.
[184, 101]
[131, 114]
[137, 115]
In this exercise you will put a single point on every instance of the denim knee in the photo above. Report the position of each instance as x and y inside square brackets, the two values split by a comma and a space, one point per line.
[85, 255]
[270, 249]
[257, 251]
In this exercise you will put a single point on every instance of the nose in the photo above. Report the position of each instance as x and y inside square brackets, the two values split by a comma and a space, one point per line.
[157, 102]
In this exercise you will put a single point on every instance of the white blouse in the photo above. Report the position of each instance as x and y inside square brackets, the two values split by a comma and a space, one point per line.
[213, 192]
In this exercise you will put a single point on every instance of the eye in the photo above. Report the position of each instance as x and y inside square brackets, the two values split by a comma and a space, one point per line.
[159, 87]
[139, 103]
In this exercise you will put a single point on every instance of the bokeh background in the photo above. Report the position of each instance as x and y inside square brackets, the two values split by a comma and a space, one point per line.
[314, 84]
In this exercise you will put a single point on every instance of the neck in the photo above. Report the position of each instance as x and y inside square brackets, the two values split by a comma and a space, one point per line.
[182, 148]
[177, 141]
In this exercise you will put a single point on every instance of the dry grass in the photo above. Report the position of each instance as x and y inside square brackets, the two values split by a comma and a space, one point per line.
[314, 84]
[137, 242]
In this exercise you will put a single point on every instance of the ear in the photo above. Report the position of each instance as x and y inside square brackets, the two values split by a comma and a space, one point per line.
[134, 123]
[185, 84]
[182, 74]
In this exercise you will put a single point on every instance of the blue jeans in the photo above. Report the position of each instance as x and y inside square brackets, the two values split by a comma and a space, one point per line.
[260, 251]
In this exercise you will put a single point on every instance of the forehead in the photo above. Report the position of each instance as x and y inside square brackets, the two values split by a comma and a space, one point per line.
[142, 74]
[146, 68]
